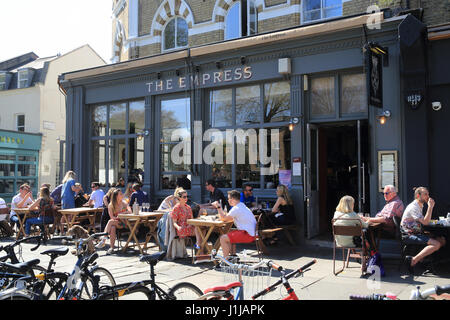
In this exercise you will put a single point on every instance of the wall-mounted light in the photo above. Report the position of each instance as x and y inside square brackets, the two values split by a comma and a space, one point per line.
[243, 60]
[384, 117]
[219, 65]
[158, 75]
[293, 122]
[142, 134]
[177, 72]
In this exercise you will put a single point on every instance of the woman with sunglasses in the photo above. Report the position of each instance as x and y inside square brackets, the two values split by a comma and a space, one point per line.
[180, 214]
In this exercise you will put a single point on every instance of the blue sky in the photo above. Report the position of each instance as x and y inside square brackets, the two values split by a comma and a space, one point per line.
[48, 27]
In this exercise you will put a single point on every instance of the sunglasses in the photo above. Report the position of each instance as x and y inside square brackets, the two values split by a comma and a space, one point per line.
[386, 193]
[184, 197]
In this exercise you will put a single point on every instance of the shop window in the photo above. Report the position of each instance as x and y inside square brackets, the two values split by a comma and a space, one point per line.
[340, 96]
[20, 122]
[116, 151]
[323, 96]
[353, 94]
[175, 127]
[241, 20]
[235, 154]
[175, 34]
[314, 10]
[221, 108]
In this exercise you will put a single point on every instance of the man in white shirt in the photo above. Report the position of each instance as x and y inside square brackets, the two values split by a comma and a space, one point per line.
[96, 198]
[21, 200]
[243, 219]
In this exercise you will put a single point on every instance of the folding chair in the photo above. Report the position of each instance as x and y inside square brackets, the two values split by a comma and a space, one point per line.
[352, 251]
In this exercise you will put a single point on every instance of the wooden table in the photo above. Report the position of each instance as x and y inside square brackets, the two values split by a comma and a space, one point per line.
[78, 214]
[206, 228]
[373, 229]
[22, 214]
[133, 221]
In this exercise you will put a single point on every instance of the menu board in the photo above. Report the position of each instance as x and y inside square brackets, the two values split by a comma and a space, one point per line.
[387, 169]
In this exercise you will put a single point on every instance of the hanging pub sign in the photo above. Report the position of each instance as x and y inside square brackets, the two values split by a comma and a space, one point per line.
[374, 64]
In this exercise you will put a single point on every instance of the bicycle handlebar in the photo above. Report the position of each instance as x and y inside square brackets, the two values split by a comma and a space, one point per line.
[438, 290]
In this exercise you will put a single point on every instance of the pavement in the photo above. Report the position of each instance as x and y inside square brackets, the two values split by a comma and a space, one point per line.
[319, 283]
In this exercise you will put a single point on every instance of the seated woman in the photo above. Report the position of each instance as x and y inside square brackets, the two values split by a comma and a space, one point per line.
[116, 206]
[180, 214]
[283, 210]
[170, 201]
[345, 210]
[43, 204]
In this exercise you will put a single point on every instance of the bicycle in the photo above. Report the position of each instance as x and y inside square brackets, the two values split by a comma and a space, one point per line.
[415, 294]
[226, 292]
[181, 291]
[86, 277]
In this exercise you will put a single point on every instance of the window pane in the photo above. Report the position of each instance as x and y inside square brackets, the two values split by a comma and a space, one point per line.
[232, 20]
[6, 186]
[170, 181]
[221, 108]
[26, 158]
[353, 93]
[116, 160]
[99, 121]
[26, 170]
[175, 118]
[248, 105]
[312, 15]
[322, 97]
[6, 157]
[332, 3]
[247, 169]
[136, 116]
[253, 18]
[332, 12]
[135, 160]
[117, 118]
[284, 156]
[277, 102]
[6, 170]
[311, 5]
[221, 173]
[169, 35]
[182, 33]
[177, 162]
[98, 161]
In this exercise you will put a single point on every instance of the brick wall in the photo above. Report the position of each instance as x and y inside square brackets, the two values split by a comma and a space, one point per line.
[436, 12]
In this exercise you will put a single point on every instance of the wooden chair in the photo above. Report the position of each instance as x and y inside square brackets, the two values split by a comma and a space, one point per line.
[263, 233]
[352, 251]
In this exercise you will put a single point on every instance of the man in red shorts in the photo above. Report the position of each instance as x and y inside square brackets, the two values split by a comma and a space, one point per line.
[244, 221]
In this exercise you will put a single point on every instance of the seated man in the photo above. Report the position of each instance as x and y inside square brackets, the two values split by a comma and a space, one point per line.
[411, 226]
[96, 197]
[247, 197]
[244, 221]
[138, 195]
[215, 194]
[393, 207]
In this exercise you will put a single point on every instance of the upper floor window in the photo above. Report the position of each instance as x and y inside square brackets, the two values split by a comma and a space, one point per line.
[20, 122]
[241, 20]
[22, 79]
[176, 34]
[321, 9]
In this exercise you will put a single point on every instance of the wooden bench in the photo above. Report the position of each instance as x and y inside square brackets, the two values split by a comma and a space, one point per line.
[264, 233]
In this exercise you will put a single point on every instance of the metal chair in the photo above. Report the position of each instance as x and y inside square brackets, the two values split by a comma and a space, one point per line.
[354, 229]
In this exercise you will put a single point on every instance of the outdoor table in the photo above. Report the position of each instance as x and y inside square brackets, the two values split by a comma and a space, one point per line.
[206, 227]
[78, 214]
[22, 214]
[438, 230]
[373, 230]
[133, 221]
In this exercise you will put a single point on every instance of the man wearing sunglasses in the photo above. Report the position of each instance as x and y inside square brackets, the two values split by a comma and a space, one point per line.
[247, 196]
[393, 207]
[96, 197]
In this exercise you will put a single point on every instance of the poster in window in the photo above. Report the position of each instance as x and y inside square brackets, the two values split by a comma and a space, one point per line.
[285, 177]
[387, 169]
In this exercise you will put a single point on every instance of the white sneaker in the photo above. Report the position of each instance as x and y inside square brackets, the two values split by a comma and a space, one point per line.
[101, 244]
[110, 251]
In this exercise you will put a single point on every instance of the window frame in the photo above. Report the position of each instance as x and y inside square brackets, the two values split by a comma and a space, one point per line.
[257, 126]
[20, 79]
[163, 38]
[18, 128]
[247, 5]
[337, 115]
[2, 81]
[322, 9]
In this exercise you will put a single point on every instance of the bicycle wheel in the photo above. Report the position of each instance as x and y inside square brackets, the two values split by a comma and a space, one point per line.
[185, 291]
[105, 279]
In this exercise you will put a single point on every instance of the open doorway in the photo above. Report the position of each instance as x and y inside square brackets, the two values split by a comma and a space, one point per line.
[338, 165]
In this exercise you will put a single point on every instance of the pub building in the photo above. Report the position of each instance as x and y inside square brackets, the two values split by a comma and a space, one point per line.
[333, 93]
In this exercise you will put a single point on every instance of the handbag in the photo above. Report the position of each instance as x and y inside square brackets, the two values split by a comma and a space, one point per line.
[375, 262]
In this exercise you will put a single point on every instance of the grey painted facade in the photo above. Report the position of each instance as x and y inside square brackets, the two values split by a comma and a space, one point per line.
[329, 53]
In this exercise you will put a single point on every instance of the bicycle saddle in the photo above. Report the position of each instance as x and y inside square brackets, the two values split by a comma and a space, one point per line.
[23, 266]
[152, 258]
[56, 252]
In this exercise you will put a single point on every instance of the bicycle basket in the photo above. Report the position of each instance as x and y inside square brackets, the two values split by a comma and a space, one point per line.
[253, 280]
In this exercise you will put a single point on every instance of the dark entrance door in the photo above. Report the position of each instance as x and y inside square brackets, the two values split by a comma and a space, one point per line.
[337, 166]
